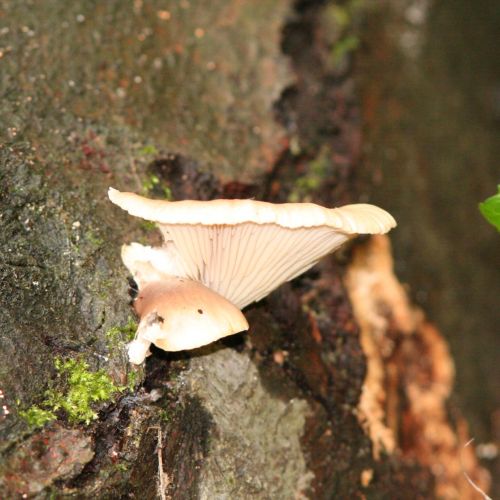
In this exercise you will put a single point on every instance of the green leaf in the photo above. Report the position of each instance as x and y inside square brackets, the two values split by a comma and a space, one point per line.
[490, 208]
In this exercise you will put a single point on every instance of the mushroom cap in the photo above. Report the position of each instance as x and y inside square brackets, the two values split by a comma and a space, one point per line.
[360, 218]
[243, 249]
[178, 314]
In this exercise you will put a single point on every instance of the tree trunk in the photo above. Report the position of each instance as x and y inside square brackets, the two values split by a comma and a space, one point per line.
[340, 388]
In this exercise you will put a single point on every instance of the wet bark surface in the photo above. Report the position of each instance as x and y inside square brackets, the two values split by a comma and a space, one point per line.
[184, 100]
[430, 92]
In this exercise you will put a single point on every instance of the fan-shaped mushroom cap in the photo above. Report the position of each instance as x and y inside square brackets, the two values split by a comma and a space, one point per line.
[244, 249]
[360, 218]
[178, 314]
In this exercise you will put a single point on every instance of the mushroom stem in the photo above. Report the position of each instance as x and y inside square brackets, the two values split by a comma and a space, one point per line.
[138, 350]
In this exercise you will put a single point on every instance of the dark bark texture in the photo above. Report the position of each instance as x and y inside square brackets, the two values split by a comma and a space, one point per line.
[198, 99]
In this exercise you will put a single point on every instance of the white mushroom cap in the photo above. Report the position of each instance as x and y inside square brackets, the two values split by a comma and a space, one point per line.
[178, 314]
[360, 218]
[244, 249]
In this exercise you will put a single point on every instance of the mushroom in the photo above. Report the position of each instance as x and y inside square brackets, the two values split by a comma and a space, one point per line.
[219, 256]
[178, 314]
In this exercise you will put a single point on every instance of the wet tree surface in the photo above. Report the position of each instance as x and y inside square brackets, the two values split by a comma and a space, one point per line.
[430, 93]
[199, 100]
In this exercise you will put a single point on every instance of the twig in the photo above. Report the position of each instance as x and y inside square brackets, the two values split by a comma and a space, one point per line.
[161, 475]
[469, 480]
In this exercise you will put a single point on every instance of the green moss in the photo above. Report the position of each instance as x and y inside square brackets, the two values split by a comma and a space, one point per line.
[165, 416]
[121, 467]
[167, 192]
[340, 15]
[150, 183]
[148, 150]
[153, 184]
[148, 225]
[91, 237]
[343, 16]
[36, 417]
[341, 22]
[125, 333]
[306, 185]
[81, 389]
[343, 47]
[104, 288]
[132, 380]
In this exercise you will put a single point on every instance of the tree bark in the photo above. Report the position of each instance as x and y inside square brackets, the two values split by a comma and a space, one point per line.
[198, 99]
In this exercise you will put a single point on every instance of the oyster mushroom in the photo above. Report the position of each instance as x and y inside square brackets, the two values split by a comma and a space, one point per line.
[236, 250]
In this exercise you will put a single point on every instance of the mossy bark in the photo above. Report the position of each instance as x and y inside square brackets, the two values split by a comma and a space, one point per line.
[190, 99]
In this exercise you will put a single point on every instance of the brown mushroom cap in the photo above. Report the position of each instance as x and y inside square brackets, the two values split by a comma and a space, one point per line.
[178, 314]
[244, 249]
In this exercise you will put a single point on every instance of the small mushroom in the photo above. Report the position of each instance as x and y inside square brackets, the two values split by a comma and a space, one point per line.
[227, 254]
[177, 314]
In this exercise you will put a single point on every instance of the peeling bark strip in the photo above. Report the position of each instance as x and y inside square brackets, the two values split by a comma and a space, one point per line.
[409, 377]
